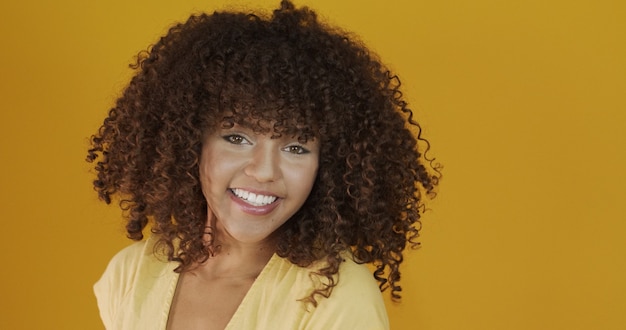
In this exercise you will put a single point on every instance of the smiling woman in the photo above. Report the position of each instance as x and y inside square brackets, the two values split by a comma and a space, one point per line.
[254, 183]
[272, 157]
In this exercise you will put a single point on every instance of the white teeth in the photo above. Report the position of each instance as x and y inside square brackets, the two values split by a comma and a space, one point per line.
[254, 199]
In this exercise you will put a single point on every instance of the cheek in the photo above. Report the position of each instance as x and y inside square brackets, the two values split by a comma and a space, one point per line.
[301, 179]
[204, 181]
[207, 173]
[217, 173]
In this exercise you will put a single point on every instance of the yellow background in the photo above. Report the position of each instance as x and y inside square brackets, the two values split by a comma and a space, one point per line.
[524, 101]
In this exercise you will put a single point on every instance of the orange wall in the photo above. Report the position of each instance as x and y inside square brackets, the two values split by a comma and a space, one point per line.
[524, 101]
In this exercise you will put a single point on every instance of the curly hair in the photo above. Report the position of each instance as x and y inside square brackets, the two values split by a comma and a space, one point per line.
[309, 80]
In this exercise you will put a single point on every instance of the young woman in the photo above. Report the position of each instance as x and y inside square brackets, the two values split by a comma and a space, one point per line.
[271, 157]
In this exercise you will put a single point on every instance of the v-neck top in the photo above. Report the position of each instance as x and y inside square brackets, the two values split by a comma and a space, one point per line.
[138, 286]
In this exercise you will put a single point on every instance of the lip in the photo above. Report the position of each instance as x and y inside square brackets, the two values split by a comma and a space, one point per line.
[251, 209]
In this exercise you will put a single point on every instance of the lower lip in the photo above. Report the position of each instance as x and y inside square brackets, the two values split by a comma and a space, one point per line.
[254, 210]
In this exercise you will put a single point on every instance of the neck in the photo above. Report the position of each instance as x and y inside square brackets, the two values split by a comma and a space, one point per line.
[233, 258]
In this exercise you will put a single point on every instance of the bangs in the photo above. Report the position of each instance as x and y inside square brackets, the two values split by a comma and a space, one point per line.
[264, 93]
[269, 117]
[258, 76]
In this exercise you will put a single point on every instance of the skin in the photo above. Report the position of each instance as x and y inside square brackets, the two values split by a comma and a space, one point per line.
[236, 163]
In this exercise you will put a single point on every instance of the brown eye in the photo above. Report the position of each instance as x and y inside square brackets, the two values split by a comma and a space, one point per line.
[296, 149]
[235, 139]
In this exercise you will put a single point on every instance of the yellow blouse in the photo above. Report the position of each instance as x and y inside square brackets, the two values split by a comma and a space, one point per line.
[137, 288]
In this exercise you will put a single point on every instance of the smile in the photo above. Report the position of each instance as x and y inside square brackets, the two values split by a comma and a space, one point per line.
[252, 198]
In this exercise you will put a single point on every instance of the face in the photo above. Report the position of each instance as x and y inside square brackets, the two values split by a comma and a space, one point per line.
[252, 183]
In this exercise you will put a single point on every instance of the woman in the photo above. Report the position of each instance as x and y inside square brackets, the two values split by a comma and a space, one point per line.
[272, 157]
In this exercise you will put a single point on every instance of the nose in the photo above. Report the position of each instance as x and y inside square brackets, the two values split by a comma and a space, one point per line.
[264, 164]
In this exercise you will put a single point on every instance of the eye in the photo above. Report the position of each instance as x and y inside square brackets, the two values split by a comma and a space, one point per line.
[235, 139]
[296, 149]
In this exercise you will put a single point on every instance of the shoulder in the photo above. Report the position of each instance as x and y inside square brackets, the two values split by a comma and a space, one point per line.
[125, 263]
[355, 303]
[121, 275]
[129, 256]
[122, 266]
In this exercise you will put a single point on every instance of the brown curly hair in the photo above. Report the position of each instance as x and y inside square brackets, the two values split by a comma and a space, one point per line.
[308, 79]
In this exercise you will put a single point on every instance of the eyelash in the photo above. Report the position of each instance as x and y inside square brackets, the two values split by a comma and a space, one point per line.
[238, 140]
[235, 139]
[299, 150]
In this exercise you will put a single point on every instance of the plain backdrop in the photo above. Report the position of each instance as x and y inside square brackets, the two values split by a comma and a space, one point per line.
[523, 101]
